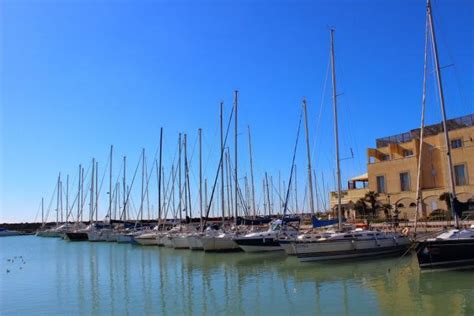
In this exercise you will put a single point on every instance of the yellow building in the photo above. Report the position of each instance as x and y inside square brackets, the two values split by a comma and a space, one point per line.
[392, 169]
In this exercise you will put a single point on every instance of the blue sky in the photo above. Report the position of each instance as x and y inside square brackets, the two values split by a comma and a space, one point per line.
[78, 76]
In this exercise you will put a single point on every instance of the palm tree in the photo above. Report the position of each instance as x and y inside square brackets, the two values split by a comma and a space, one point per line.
[371, 198]
[361, 207]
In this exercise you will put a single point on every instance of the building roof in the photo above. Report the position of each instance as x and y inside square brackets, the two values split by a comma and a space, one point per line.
[362, 177]
[430, 130]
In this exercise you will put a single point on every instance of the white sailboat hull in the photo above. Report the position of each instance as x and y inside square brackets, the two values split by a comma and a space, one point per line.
[147, 240]
[289, 248]
[195, 242]
[124, 238]
[213, 243]
[345, 249]
[95, 236]
[167, 241]
[180, 242]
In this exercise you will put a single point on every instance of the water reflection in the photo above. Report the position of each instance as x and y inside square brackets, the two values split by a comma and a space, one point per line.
[108, 278]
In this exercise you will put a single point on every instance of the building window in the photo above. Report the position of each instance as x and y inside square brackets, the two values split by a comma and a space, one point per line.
[460, 174]
[384, 157]
[407, 153]
[404, 181]
[381, 184]
[456, 143]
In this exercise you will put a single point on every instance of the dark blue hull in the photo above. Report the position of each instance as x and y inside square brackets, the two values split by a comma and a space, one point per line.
[77, 236]
[446, 254]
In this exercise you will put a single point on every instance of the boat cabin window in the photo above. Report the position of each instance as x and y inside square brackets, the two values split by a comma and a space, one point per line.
[275, 227]
[348, 236]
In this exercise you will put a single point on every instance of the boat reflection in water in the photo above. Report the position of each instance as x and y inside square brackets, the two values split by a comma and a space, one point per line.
[111, 278]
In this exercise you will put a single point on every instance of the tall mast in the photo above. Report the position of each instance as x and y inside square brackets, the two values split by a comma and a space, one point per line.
[179, 180]
[159, 175]
[264, 197]
[279, 192]
[164, 189]
[124, 193]
[42, 211]
[200, 178]
[272, 192]
[57, 199]
[91, 197]
[296, 191]
[61, 201]
[269, 204]
[143, 185]
[336, 131]
[229, 184]
[67, 198]
[96, 190]
[205, 194]
[110, 183]
[117, 199]
[82, 194]
[147, 181]
[251, 173]
[222, 162]
[422, 132]
[229, 199]
[434, 47]
[79, 194]
[158, 179]
[247, 194]
[235, 157]
[186, 182]
[173, 190]
[308, 152]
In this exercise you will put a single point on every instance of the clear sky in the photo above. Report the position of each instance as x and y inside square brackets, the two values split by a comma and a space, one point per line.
[78, 76]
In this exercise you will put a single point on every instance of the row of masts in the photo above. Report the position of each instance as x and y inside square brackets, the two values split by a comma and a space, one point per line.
[184, 187]
[119, 199]
[224, 167]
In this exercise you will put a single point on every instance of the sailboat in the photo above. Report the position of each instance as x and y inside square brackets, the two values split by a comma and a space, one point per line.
[216, 240]
[341, 244]
[79, 233]
[59, 229]
[269, 240]
[453, 249]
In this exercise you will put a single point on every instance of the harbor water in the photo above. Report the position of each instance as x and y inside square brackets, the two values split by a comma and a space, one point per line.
[50, 276]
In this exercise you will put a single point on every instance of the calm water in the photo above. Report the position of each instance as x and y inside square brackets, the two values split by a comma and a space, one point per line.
[59, 277]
